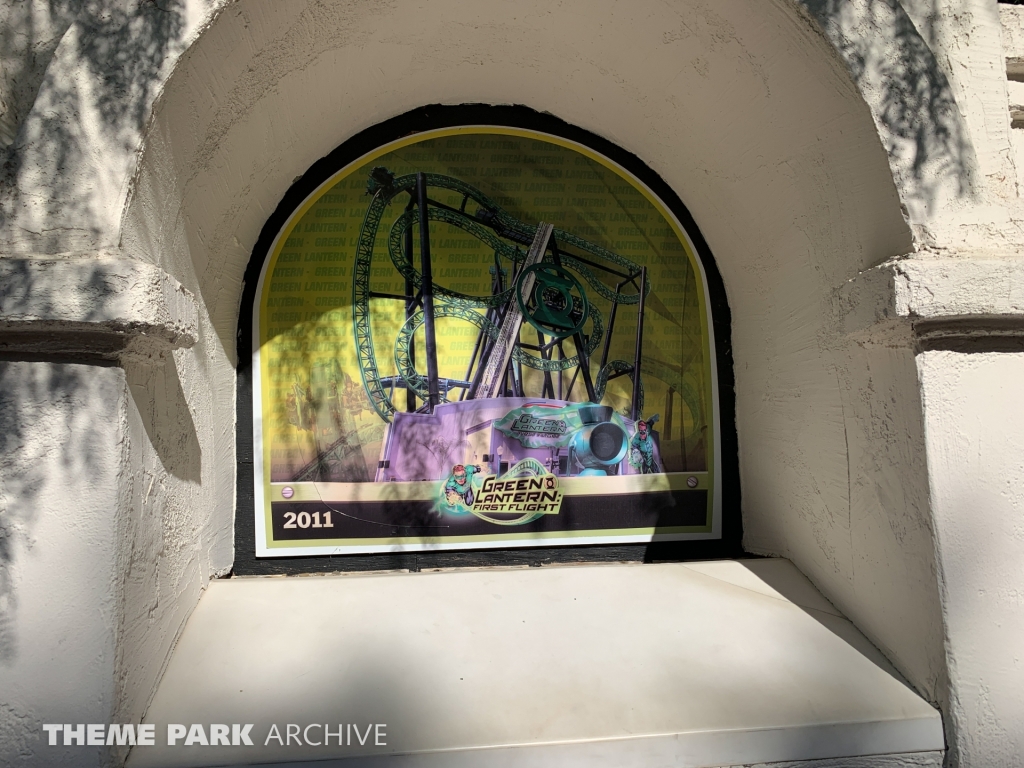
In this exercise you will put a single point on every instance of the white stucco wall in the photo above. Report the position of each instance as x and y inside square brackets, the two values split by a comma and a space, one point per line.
[77, 93]
[748, 115]
[966, 36]
[61, 431]
[974, 427]
[101, 561]
[77, 85]
[783, 126]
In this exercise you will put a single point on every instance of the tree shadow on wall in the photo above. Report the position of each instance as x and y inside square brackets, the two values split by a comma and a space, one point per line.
[52, 398]
[912, 102]
[38, 436]
[76, 76]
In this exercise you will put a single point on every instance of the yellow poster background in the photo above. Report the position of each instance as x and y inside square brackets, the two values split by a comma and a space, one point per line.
[304, 310]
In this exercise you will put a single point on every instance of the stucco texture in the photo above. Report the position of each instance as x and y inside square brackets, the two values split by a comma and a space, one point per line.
[748, 115]
[61, 428]
[786, 128]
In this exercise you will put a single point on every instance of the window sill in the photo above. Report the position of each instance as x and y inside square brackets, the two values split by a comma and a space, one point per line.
[696, 664]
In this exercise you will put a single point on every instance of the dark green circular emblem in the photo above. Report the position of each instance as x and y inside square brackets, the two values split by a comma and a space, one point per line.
[557, 304]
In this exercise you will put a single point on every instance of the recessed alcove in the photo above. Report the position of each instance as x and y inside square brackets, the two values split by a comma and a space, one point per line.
[748, 116]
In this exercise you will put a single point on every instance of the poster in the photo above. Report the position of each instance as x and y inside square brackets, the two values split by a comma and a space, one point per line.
[482, 337]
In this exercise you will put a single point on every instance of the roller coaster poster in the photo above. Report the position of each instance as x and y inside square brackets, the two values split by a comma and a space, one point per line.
[482, 337]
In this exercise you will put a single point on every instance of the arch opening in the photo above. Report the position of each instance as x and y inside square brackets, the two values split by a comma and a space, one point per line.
[745, 113]
[376, 390]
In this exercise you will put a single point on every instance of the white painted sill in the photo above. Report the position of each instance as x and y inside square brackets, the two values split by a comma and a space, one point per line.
[697, 664]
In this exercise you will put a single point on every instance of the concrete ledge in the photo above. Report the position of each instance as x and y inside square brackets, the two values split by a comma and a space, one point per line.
[619, 754]
[910, 300]
[700, 664]
[1015, 93]
[96, 305]
[1011, 19]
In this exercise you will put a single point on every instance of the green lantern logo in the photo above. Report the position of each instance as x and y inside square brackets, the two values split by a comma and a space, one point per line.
[557, 304]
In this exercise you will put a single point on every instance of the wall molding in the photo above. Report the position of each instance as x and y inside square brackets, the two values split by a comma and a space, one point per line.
[964, 303]
[92, 305]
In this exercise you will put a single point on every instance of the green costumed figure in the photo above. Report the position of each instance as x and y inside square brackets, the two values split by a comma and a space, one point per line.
[641, 454]
[459, 488]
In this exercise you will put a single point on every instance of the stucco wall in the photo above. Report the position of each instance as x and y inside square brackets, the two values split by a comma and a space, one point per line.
[788, 129]
[61, 431]
[77, 85]
[749, 115]
[101, 562]
[974, 425]
[76, 94]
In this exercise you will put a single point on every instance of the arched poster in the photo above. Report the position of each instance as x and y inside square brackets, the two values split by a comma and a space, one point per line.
[482, 337]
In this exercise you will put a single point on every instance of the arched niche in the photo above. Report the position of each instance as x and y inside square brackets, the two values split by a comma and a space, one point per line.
[745, 113]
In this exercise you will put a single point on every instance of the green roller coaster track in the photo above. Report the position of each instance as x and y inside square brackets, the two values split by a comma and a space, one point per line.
[384, 188]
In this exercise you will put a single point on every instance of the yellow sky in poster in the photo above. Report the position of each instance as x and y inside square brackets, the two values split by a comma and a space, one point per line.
[305, 308]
